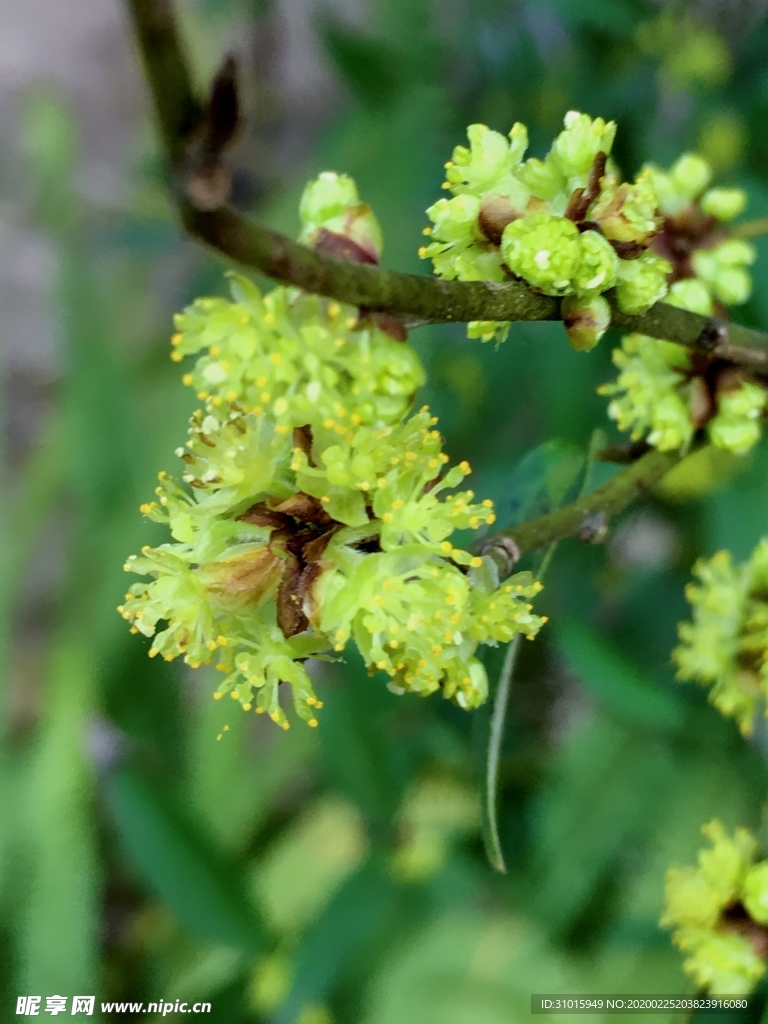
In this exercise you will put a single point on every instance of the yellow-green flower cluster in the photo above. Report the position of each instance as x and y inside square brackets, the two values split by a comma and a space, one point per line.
[292, 356]
[563, 224]
[313, 510]
[662, 393]
[725, 646]
[358, 529]
[718, 911]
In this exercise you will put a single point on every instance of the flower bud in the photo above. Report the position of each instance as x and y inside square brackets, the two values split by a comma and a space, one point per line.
[723, 203]
[575, 148]
[544, 250]
[641, 282]
[598, 265]
[336, 223]
[585, 320]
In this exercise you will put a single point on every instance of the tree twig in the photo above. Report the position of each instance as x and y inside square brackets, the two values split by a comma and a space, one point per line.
[415, 299]
[606, 501]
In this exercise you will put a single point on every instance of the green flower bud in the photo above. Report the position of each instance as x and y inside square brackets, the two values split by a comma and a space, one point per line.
[641, 282]
[737, 426]
[336, 222]
[585, 320]
[681, 185]
[723, 203]
[721, 268]
[690, 174]
[627, 213]
[544, 250]
[691, 294]
[575, 148]
[598, 265]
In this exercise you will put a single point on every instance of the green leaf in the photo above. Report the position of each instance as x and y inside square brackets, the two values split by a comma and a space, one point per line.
[544, 479]
[180, 864]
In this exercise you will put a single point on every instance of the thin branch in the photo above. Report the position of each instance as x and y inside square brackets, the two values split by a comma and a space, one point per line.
[416, 300]
[578, 518]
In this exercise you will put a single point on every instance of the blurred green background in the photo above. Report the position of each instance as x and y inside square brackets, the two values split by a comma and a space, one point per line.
[338, 875]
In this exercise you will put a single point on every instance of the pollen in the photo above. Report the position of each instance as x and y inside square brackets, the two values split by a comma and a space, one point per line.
[247, 707]
[446, 546]
[186, 380]
[465, 466]
[475, 562]
[176, 339]
[487, 503]
[422, 252]
[491, 519]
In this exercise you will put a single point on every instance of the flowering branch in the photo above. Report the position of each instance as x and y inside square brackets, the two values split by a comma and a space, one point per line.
[417, 300]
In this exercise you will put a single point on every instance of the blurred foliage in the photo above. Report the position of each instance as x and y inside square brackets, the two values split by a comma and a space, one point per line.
[338, 876]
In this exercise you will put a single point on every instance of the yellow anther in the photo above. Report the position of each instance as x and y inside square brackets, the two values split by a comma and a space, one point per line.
[217, 695]
[446, 184]
[474, 522]
[269, 318]
[247, 707]
[186, 380]
[465, 466]
[325, 499]
[381, 482]
[487, 503]
[491, 519]
[388, 517]
[281, 428]
[427, 230]
[233, 695]
[312, 723]
[476, 562]
[422, 252]
[446, 546]
[222, 640]
[333, 309]
[275, 358]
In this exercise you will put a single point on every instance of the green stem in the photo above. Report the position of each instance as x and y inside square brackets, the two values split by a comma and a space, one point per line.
[495, 739]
